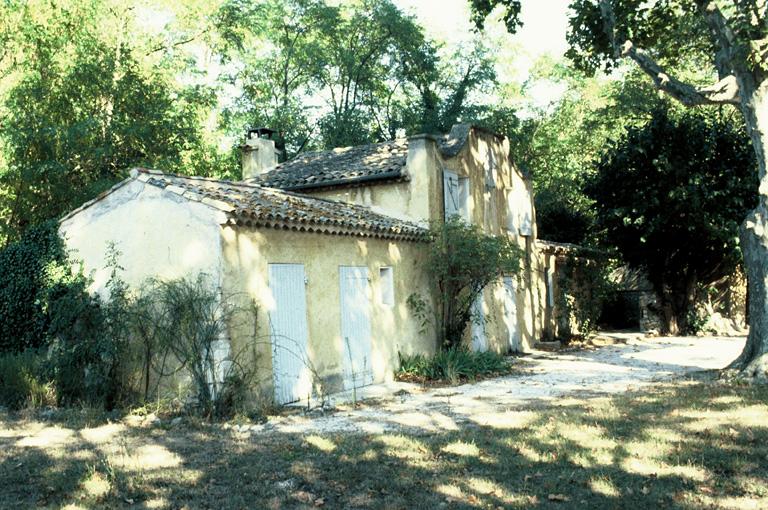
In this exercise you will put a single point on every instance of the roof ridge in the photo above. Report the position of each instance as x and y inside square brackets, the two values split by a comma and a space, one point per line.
[270, 189]
[151, 171]
[393, 140]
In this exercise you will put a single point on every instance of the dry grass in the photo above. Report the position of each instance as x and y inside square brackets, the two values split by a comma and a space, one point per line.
[674, 446]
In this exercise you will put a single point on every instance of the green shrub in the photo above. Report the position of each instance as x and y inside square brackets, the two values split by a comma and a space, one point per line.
[189, 320]
[451, 365]
[463, 260]
[26, 269]
[22, 382]
[92, 360]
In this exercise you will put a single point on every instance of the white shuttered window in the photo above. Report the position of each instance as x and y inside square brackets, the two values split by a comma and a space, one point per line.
[526, 212]
[456, 195]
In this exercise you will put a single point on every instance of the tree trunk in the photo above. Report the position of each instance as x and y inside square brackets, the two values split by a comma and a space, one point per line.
[753, 361]
[677, 301]
[669, 315]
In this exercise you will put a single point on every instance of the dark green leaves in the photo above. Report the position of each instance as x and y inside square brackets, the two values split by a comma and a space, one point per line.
[670, 194]
[463, 261]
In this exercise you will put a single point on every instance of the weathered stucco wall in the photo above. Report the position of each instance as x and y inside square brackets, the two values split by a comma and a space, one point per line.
[158, 234]
[492, 199]
[493, 202]
[247, 255]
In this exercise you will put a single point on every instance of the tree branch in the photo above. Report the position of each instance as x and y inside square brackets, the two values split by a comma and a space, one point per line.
[723, 36]
[176, 44]
[726, 91]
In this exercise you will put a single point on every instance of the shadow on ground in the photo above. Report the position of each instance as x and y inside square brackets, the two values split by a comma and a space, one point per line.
[689, 445]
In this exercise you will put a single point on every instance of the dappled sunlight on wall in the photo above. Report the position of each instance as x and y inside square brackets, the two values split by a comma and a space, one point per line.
[394, 253]
[250, 257]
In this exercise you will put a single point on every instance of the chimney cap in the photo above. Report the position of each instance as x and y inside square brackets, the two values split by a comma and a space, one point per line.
[261, 132]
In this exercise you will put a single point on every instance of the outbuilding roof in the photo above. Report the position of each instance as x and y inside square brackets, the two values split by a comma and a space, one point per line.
[338, 167]
[258, 206]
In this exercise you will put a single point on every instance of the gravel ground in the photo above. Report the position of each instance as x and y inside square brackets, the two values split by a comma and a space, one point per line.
[633, 363]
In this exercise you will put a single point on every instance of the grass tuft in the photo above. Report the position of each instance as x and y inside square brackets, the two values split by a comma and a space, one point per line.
[22, 384]
[452, 366]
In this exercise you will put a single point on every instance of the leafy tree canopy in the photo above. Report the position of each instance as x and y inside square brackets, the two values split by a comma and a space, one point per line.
[343, 74]
[85, 102]
[669, 196]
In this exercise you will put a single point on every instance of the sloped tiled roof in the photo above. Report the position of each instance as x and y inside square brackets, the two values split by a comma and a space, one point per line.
[258, 206]
[349, 165]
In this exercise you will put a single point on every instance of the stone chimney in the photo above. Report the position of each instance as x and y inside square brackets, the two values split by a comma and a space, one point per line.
[258, 152]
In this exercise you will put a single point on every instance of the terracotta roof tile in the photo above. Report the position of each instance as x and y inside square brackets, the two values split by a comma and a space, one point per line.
[258, 206]
[345, 166]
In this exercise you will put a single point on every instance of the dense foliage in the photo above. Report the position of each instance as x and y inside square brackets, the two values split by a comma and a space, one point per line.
[22, 381]
[91, 88]
[669, 196]
[328, 75]
[32, 269]
[729, 41]
[81, 103]
[463, 261]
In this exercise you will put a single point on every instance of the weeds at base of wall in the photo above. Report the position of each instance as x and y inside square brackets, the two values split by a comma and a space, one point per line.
[103, 353]
[451, 366]
[23, 384]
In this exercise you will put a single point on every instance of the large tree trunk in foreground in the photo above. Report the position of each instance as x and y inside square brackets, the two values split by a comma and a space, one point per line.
[753, 361]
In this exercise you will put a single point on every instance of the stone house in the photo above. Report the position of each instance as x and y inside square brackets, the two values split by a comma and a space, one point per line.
[328, 247]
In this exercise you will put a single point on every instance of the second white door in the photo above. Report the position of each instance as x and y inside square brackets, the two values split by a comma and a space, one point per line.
[355, 326]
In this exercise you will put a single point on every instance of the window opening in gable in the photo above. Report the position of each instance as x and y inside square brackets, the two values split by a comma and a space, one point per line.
[456, 193]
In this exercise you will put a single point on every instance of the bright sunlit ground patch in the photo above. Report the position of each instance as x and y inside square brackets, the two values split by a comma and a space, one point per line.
[462, 448]
[669, 446]
[321, 443]
[96, 485]
[605, 487]
[47, 437]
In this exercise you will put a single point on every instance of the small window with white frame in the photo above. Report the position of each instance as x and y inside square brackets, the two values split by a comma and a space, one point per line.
[386, 286]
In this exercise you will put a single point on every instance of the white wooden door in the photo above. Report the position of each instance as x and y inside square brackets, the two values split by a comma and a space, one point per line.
[510, 312]
[289, 333]
[355, 326]
[479, 341]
